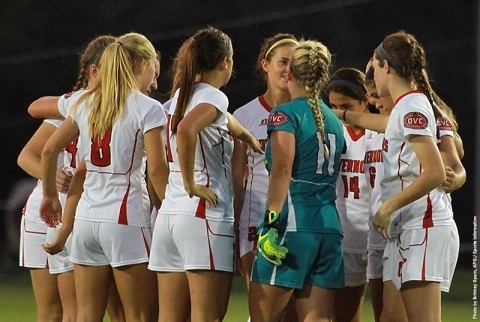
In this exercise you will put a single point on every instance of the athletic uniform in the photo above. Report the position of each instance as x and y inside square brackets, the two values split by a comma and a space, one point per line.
[309, 224]
[112, 221]
[373, 165]
[254, 117]
[353, 205]
[189, 234]
[419, 231]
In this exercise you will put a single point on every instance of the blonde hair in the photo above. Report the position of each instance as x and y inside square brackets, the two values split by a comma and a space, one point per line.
[117, 80]
[311, 66]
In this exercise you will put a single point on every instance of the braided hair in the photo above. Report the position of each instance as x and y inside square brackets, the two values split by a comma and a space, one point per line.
[311, 66]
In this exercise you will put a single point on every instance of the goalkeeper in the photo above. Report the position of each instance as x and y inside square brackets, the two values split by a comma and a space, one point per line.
[299, 243]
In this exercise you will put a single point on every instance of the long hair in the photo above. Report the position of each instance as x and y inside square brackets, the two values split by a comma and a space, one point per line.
[310, 65]
[117, 81]
[407, 57]
[199, 54]
[91, 55]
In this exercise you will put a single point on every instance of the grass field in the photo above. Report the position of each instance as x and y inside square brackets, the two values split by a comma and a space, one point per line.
[17, 303]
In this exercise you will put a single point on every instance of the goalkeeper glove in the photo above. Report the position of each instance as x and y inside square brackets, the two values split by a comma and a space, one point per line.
[268, 239]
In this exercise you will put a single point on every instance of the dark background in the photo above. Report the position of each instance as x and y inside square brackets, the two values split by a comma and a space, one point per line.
[40, 42]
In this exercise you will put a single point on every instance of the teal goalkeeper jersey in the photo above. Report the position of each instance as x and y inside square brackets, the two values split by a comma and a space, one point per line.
[310, 205]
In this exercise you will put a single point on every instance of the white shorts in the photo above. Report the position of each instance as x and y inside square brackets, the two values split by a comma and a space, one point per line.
[375, 263]
[182, 243]
[247, 239]
[355, 269]
[419, 255]
[452, 256]
[32, 236]
[60, 262]
[100, 243]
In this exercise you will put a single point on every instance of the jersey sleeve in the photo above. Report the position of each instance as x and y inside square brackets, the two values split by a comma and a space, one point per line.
[444, 127]
[154, 117]
[54, 122]
[281, 119]
[416, 119]
[66, 101]
[215, 98]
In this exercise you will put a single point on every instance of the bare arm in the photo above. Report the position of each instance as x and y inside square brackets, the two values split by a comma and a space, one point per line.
[283, 154]
[374, 122]
[50, 208]
[74, 194]
[432, 176]
[239, 168]
[45, 107]
[29, 157]
[455, 172]
[242, 134]
[195, 121]
[157, 161]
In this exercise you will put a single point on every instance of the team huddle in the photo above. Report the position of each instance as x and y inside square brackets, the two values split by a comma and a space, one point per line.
[325, 183]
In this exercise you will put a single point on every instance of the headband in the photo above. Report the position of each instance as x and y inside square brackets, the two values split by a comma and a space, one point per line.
[353, 86]
[384, 55]
[281, 42]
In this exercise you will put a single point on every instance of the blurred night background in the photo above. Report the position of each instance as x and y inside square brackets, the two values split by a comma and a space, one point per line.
[40, 42]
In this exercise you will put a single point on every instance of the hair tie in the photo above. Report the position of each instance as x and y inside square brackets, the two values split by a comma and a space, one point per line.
[280, 42]
[119, 42]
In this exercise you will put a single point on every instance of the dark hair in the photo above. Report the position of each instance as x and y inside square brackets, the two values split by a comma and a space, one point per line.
[91, 55]
[199, 54]
[268, 49]
[350, 82]
[407, 57]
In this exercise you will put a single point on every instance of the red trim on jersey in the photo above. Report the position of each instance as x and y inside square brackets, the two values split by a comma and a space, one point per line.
[424, 263]
[210, 255]
[147, 247]
[405, 94]
[264, 103]
[201, 213]
[399, 160]
[223, 151]
[122, 216]
[428, 217]
[355, 136]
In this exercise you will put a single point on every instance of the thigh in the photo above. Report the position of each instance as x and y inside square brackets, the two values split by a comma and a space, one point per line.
[173, 296]
[91, 288]
[267, 302]
[45, 290]
[429, 308]
[393, 309]
[136, 286]
[209, 294]
[314, 303]
[375, 264]
[32, 237]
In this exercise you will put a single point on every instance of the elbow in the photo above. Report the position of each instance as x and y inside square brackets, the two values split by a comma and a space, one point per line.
[32, 111]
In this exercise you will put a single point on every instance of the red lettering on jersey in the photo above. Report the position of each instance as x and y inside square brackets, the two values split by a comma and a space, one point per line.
[72, 149]
[352, 166]
[373, 156]
[415, 120]
[385, 145]
[263, 122]
[277, 118]
[444, 124]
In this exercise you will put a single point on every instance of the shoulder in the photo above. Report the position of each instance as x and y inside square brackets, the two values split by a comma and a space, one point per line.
[247, 108]
[205, 93]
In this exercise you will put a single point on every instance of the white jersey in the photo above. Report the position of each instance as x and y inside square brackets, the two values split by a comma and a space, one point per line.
[212, 167]
[32, 206]
[411, 115]
[352, 193]
[254, 117]
[114, 188]
[373, 165]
